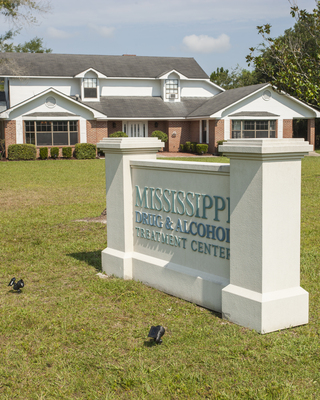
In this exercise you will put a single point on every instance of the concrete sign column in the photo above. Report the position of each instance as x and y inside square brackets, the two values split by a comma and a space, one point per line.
[118, 154]
[265, 199]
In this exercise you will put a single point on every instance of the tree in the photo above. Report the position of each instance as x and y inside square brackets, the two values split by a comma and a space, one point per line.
[291, 62]
[19, 12]
[238, 77]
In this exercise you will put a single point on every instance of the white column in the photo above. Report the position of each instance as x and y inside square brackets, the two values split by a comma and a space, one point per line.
[265, 191]
[117, 257]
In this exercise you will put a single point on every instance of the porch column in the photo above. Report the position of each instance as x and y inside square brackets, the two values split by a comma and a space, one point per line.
[116, 258]
[312, 132]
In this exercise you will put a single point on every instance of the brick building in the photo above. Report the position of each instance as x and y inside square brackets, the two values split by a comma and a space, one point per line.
[60, 100]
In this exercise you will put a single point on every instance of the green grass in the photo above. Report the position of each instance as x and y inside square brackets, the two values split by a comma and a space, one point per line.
[72, 335]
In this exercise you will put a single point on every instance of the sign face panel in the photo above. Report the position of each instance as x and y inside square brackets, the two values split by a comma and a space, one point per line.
[183, 218]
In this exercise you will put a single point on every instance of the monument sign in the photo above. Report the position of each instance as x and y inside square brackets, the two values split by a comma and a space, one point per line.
[224, 236]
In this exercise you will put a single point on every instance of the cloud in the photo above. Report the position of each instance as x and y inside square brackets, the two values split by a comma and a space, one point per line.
[207, 44]
[58, 33]
[102, 30]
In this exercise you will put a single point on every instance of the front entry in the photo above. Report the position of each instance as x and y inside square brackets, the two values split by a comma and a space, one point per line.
[136, 128]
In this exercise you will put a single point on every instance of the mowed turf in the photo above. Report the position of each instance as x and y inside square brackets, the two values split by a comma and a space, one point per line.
[72, 335]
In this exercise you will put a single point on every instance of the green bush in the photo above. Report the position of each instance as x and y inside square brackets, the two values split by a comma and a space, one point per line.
[201, 148]
[43, 153]
[118, 134]
[193, 147]
[160, 135]
[54, 152]
[22, 152]
[219, 142]
[182, 147]
[187, 146]
[67, 152]
[85, 150]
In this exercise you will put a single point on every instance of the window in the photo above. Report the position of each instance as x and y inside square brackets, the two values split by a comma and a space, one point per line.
[172, 88]
[90, 88]
[253, 129]
[51, 133]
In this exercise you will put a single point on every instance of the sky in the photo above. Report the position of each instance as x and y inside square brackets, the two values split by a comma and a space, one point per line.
[216, 33]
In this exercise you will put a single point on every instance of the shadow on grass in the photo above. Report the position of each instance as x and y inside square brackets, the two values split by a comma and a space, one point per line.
[92, 258]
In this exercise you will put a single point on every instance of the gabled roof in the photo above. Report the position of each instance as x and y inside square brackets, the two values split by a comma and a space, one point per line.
[70, 65]
[96, 114]
[225, 99]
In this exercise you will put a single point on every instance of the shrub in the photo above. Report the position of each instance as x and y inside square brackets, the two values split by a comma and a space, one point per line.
[85, 150]
[54, 152]
[201, 148]
[219, 142]
[118, 134]
[67, 152]
[182, 147]
[43, 153]
[193, 147]
[2, 148]
[187, 146]
[22, 152]
[160, 135]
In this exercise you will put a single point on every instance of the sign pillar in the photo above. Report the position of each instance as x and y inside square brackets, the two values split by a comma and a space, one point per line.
[117, 257]
[265, 199]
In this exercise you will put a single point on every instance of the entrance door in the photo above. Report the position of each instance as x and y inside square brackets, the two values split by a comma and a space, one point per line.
[135, 128]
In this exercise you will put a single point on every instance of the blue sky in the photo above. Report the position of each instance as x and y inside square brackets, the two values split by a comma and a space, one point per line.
[217, 33]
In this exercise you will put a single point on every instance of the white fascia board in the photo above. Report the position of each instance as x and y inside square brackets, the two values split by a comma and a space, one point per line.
[37, 77]
[166, 74]
[95, 113]
[83, 73]
[302, 103]
[211, 83]
[219, 113]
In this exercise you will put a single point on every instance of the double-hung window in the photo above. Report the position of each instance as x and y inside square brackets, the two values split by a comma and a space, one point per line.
[90, 88]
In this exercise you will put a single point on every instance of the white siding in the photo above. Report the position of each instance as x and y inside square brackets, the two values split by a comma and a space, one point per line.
[197, 89]
[23, 89]
[278, 104]
[130, 87]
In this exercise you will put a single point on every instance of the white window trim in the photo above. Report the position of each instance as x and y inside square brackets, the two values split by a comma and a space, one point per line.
[90, 98]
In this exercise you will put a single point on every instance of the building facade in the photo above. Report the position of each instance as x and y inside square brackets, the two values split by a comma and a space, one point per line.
[60, 100]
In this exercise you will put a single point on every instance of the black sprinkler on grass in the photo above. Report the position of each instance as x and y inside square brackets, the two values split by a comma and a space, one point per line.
[156, 332]
[16, 285]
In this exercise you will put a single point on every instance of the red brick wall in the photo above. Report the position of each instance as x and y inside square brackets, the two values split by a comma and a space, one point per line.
[194, 131]
[287, 128]
[113, 129]
[96, 131]
[218, 127]
[182, 130]
[312, 132]
[9, 134]
[162, 126]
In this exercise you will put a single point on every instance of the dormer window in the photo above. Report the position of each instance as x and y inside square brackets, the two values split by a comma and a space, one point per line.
[172, 89]
[90, 87]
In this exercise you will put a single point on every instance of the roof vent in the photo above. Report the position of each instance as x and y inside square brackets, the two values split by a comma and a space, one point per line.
[77, 96]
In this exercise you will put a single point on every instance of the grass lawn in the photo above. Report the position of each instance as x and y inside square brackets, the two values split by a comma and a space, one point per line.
[72, 335]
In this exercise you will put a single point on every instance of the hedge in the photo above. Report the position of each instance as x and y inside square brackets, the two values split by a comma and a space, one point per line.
[160, 135]
[43, 153]
[202, 148]
[193, 147]
[67, 152]
[85, 150]
[54, 152]
[187, 147]
[118, 134]
[220, 142]
[22, 152]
